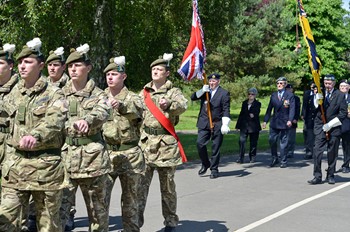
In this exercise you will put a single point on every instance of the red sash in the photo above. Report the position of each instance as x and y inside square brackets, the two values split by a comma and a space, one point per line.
[164, 121]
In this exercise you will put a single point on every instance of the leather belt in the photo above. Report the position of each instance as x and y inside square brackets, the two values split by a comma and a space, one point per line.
[155, 131]
[31, 154]
[121, 147]
[78, 141]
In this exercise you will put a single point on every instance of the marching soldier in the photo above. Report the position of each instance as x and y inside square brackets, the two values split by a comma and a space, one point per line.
[8, 79]
[122, 133]
[84, 152]
[33, 164]
[56, 65]
[163, 105]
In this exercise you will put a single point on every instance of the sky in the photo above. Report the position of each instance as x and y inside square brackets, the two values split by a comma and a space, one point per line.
[346, 4]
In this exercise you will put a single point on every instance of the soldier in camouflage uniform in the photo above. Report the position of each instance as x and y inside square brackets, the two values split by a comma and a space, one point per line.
[56, 65]
[32, 165]
[122, 133]
[160, 149]
[86, 159]
[8, 79]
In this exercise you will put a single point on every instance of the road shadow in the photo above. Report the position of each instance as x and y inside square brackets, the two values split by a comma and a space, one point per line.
[263, 159]
[200, 226]
[115, 223]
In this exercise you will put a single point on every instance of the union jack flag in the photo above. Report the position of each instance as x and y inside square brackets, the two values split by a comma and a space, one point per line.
[314, 60]
[192, 64]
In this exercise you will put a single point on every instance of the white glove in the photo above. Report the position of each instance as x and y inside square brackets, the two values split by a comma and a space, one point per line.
[318, 97]
[200, 92]
[224, 128]
[333, 123]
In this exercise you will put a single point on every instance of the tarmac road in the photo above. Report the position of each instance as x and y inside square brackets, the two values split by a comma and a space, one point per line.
[246, 197]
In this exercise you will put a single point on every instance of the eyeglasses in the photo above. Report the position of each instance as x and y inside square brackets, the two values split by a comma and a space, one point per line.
[280, 83]
[251, 94]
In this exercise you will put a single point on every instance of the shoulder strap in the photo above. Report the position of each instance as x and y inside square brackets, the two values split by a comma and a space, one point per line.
[164, 121]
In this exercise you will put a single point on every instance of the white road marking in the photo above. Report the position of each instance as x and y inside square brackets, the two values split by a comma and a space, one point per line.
[290, 208]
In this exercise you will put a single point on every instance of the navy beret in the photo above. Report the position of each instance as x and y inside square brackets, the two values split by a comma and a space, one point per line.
[281, 79]
[329, 77]
[214, 76]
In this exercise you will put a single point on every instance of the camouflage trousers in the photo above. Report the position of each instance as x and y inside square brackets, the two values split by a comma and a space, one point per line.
[130, 183]
[47, 205]
[68, 209]
[168, 194]
[94, 193]
[68, 195]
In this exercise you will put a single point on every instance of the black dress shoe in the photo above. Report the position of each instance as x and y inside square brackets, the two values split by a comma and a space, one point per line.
[203, 170]
[240, 161]
[274, 162]
[214, 175]
[315, 181]
[330, 180]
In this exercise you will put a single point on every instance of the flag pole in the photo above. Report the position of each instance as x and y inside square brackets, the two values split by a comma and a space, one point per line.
[314, 61]
[210, 118]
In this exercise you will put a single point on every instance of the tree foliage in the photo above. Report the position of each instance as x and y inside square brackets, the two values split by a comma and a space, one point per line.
[249, 42]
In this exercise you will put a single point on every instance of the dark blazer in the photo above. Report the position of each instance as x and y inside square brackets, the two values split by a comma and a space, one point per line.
[308, 111]
[245, 123]
[297, 110]
[306, 97]
[345, 127]
[219, 106]
[283, 110]
[336, 108]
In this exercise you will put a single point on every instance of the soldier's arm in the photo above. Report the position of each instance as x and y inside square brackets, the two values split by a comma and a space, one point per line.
[99, 113]
[177, 102]
[132, 107]
[52, 124]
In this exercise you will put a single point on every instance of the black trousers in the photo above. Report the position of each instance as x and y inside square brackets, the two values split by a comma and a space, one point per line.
[332, 145]
[253, 137]
[309, 140]
[204, 136]
[345, 142]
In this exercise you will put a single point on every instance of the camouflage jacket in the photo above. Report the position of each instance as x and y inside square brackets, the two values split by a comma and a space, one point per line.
[61, 82]
[89, 104]
[161, 149]
[123, 127]
[39, 111]
[4, 116]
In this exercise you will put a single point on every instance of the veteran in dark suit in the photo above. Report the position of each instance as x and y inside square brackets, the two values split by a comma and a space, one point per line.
[308, 114]
[248, 124]
[283, 105]
[220, 110]
[293, 128]
[328, 134]
[344, 86]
